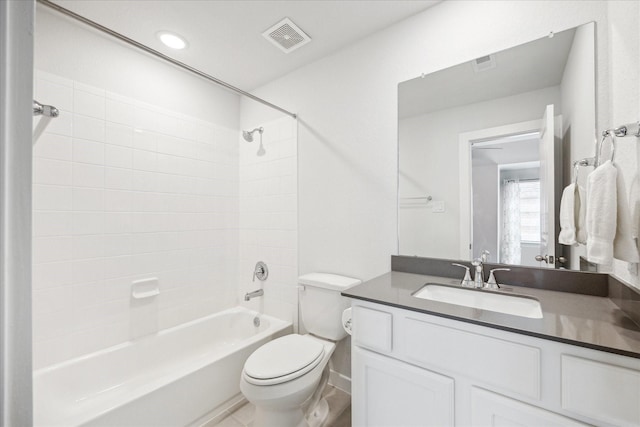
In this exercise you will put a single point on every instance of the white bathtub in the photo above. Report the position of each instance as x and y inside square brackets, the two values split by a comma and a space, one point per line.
[177, 377]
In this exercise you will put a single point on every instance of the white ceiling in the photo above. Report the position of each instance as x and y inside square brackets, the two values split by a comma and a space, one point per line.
[531, 66]
[503, 153]
[225, 38]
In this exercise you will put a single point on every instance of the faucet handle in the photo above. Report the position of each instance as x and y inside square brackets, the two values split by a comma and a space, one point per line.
[492, 283]
[466, 281]
[261, 271]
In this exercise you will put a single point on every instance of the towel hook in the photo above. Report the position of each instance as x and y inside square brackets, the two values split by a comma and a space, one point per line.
[611, 134]
[587, 161]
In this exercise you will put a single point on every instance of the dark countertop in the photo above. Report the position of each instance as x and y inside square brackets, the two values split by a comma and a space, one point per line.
[584, 320]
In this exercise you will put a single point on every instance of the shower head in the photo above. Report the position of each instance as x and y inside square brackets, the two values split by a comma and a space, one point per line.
[248, 135]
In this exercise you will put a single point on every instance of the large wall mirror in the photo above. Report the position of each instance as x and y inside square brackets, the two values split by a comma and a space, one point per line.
[486, 147]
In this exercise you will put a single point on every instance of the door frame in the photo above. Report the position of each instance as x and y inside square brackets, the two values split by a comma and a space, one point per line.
[465, 141]
[16, 116]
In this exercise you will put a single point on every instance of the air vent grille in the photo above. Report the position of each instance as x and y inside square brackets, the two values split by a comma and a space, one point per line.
[484, 63]
[286, 35]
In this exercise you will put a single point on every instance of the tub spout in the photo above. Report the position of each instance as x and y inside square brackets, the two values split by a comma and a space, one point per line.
[253, 294]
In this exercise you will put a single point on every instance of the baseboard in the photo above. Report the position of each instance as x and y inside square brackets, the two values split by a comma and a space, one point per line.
[215, 416]
[340, 381]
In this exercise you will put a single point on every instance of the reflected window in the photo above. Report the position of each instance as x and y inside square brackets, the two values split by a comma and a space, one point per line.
[529, 210]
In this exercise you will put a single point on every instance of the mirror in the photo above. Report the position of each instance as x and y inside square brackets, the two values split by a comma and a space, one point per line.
[486, 148]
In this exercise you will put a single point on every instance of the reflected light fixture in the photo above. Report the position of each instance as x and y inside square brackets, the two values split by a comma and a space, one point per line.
[172, 40]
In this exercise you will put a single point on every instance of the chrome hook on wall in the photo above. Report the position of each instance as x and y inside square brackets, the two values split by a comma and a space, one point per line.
[631, 129]
[611, 134]
[588, 161]
[44, 110]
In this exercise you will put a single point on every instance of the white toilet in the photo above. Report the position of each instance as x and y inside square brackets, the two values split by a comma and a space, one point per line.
[280, 377]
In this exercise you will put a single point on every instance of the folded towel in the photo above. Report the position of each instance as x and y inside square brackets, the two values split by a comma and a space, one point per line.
[601, 213]
[608, 219]
[624, 247]
[572, 216]
[634, 206]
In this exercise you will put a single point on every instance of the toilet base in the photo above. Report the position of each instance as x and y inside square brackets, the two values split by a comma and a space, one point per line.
[319, 414]
[291, 418]
[294, 417]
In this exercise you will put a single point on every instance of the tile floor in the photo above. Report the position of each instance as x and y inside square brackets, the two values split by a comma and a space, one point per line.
[339, 411]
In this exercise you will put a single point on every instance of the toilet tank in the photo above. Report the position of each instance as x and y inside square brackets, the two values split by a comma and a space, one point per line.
[321, 304]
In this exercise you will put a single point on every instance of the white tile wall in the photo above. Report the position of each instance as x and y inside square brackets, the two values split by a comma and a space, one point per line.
[268, 217]
[124, 190]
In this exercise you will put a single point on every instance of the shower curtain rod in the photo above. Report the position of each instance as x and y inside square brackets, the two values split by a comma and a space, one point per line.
[154, 52]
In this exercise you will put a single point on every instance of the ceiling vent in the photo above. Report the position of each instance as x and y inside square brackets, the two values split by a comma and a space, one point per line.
[286, 35]
[484, 63]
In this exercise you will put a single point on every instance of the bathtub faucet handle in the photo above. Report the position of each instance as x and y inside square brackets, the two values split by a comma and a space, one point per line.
[260, 271]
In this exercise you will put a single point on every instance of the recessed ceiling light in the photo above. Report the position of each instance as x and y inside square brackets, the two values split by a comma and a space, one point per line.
[172, 40]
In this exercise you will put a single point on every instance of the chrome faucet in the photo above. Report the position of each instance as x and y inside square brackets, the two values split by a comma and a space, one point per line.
[492, 283]
[478, 278]
[466, 281]
[253, 294]
[478, 264]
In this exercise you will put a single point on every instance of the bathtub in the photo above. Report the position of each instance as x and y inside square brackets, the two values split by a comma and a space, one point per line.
[178, 377]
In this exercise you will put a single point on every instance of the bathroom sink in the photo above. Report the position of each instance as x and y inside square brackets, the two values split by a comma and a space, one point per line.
[485, 300]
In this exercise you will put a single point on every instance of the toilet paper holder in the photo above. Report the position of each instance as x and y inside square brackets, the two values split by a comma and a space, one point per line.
[347, 323]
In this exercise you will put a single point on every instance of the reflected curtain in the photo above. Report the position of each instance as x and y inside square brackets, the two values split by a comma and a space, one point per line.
[510, 242]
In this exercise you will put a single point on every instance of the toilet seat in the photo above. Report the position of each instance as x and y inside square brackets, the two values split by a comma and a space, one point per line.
[283, 359]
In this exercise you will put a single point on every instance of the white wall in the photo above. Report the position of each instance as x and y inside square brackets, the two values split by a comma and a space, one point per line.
[486, 187]
[426, 140]
[348, 117]
[137, 178]
[624, 102]
[577, 115]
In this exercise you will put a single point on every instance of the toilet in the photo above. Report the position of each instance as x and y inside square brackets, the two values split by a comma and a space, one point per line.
[285, 377]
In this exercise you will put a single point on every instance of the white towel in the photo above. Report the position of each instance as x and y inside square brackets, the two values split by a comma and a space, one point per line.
[624, 247]
[601, 213]
[634, 206]
[608, 219]
[572, 216]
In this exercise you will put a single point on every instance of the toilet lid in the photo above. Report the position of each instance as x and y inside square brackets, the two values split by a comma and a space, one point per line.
[284, 358]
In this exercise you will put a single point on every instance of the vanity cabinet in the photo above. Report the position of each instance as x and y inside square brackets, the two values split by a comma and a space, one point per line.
[399, 394]
[415, 369]
[491, 409]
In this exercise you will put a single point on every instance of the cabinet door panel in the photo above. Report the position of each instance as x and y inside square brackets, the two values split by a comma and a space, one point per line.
[584, 386]
[506, 366]
[391, 393]
[494, 410]
[372, 329]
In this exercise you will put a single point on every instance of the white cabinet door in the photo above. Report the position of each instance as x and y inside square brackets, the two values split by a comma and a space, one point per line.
[387, 392]
[494, 410]
[602, 391]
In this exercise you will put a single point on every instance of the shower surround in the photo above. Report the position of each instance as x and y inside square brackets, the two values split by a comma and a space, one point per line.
[268, 207]
[123, 191]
